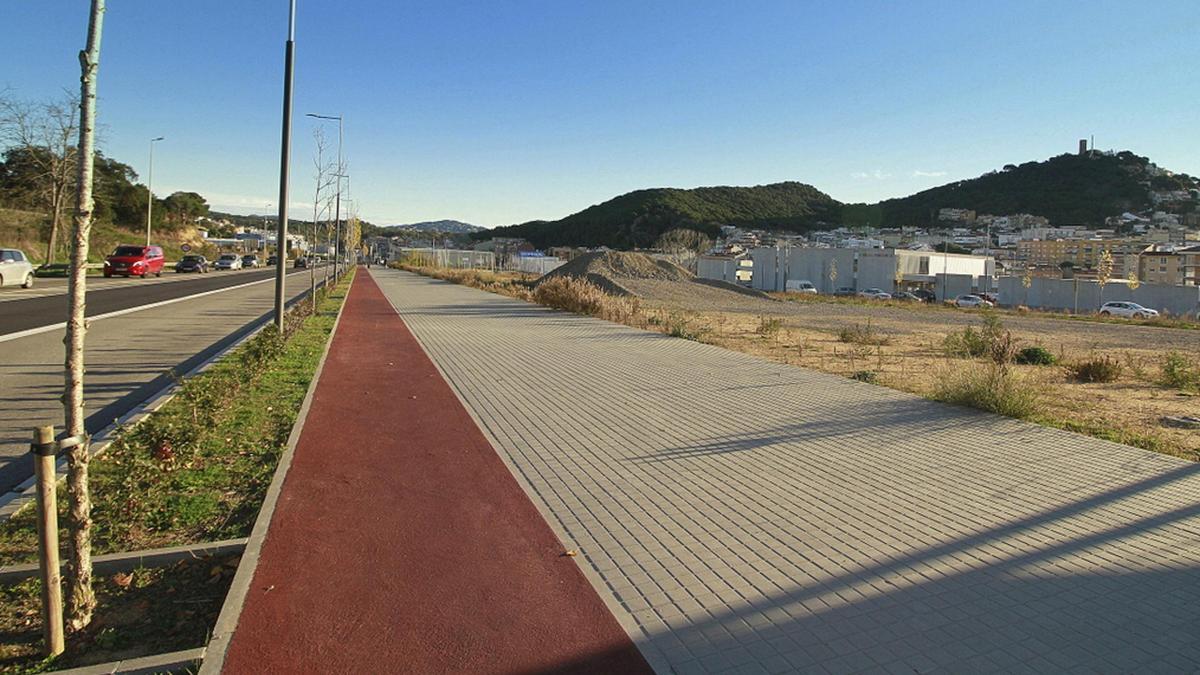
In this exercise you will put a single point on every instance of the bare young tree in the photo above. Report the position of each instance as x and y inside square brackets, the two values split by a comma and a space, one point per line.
[325, 177]
[81, 599]
[683, 245]
[1104, 271]
[45, 135]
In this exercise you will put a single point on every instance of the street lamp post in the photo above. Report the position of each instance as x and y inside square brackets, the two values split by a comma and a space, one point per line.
[150, 188]
[337, 209]
[284, 160]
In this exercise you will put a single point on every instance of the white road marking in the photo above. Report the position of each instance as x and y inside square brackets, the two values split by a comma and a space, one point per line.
[129, 310]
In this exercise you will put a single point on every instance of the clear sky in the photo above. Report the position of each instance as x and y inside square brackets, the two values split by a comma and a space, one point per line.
[501, 111]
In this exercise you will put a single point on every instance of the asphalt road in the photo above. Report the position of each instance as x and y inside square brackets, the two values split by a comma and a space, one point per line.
[46, 303]
[129, 356]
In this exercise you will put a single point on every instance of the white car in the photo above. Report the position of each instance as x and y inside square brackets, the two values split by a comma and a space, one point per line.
[228, 261]
[1129, 310]
[801, 287]
[875, 294]
[15, 268]
[968, 301]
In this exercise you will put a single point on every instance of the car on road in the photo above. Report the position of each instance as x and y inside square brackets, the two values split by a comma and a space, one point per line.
[228, 261]
[192, 263]
[251, 260]
[844, 290]
[797, 286]
[924, 295]
[1128, 310]
[301, 262]
[272, 260]
[969, 301]
[135, 261]
[875, 294]
[15, 268]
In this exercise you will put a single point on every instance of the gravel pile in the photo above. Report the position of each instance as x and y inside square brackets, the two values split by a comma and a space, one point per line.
[622, 273]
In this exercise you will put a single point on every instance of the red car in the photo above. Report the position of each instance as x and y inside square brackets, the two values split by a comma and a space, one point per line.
[135, 261]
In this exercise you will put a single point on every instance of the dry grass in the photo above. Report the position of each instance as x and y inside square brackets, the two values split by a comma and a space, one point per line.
[993, 387]
[583, 297]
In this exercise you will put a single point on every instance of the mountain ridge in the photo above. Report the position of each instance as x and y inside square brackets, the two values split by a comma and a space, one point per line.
[1066, 189]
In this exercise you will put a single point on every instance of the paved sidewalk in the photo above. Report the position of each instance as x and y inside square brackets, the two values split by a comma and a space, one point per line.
[400, 541]
[742, 515]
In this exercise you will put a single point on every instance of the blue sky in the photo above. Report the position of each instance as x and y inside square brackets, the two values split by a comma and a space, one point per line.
[502, 111]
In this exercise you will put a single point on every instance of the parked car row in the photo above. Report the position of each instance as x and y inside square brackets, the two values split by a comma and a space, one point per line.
[227, 261]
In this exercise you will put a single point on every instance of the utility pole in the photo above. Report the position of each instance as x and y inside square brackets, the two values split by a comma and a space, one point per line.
[285, 156]
[150, 188]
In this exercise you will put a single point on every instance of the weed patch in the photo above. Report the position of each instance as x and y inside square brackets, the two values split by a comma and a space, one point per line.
[992, 387]
[1035, 356]
[1181, 372]
[1101, 369]
[863, 334]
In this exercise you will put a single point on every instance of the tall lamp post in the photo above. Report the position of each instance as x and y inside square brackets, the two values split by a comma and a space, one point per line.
[337, 209]
[150, 188]
[285, 153]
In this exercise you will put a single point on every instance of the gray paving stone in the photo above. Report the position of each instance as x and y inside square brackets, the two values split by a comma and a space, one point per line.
[748, 495]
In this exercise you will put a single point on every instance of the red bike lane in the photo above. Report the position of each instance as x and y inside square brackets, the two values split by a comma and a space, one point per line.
[402, 543]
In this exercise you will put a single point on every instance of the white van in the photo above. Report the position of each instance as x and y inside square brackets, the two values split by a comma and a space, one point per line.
[800, 286]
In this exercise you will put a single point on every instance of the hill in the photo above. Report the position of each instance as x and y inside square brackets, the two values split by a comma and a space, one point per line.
[27, 231]
[444, 226]
[638, 218]
[1067, 189]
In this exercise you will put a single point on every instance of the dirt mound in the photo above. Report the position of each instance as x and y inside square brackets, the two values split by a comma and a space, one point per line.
[608, 269]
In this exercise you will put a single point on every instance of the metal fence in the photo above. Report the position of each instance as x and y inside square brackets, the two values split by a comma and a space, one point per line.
[536, 264]
[449, 257]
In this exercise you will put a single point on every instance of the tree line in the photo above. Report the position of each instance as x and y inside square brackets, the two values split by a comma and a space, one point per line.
[39, 170]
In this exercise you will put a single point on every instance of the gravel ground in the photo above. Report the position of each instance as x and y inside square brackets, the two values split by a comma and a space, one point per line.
[914, 319]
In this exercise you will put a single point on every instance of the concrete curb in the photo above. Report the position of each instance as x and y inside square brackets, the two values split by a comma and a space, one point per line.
[145, 665]
[112, 563]
[235, 599]
[14, 500]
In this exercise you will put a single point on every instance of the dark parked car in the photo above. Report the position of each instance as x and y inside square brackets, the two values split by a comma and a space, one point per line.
[301, 262]
[845, 290]
[135, 261]
[906, 296]
[192, 263]
[924, 295]
[272, 260]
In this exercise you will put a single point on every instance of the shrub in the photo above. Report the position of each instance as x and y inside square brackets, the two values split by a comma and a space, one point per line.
[1035, 356]
[1103, 369]
[991, 340]
[679, 326]
[1180, 372]
[583, 297]
[859, 334]
[992, 387]
[768, 327]
[868, 376]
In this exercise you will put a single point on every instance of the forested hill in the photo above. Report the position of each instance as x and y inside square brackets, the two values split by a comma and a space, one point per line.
[1068, 189]
[638, 218]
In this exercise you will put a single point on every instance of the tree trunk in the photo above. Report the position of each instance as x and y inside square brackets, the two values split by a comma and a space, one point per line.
[81, 599]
